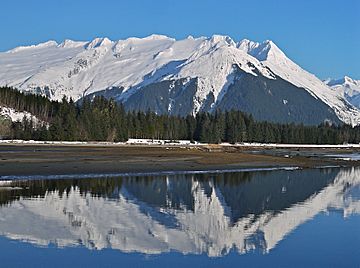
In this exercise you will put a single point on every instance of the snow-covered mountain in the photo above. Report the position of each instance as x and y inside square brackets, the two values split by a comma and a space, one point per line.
[348, 87]
[184, 214]
[178, 77]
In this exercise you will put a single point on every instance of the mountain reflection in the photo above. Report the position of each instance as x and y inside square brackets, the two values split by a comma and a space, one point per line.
[203, 213]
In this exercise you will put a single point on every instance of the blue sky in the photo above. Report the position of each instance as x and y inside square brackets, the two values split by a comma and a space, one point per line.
[323, 36]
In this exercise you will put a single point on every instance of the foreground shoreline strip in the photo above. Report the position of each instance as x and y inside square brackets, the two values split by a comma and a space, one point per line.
[135, 174]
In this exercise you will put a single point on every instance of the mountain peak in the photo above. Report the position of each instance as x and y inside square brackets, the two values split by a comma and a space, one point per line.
[346, 80]
[246, 45]
[262, 51]
[348, 87]
[156, 37]
[98, 42]
[222, 39]
[68, 43]
[40, 45]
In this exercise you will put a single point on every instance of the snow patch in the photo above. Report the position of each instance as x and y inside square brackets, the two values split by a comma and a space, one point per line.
[16, 116]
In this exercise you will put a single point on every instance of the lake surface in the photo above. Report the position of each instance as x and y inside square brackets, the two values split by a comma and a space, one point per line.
[284, 218]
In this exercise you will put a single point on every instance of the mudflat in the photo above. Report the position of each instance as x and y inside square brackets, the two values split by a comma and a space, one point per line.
[45, 159]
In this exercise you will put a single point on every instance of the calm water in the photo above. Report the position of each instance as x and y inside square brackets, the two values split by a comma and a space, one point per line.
[299, 218]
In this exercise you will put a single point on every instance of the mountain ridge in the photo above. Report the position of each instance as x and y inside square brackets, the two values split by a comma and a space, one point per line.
[348, 87]
[125, 68]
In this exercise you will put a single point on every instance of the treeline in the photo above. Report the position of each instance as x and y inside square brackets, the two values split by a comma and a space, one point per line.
[101, 119]
[37, 105]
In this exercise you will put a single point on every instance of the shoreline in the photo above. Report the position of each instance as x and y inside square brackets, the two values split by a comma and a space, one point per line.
[187, 143]
[136, 174]
[74, 160]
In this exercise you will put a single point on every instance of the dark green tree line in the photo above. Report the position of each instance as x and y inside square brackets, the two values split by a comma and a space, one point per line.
[100, 119]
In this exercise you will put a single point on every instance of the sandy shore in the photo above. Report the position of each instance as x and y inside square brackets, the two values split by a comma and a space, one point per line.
[82, 159]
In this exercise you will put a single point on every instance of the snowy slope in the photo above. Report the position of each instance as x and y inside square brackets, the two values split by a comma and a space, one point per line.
[270, 55]
[348, 87]
[76, 69]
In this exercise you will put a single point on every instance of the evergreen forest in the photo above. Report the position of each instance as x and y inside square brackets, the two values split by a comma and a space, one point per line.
[101, 119]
